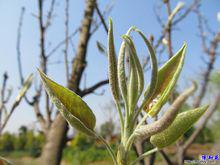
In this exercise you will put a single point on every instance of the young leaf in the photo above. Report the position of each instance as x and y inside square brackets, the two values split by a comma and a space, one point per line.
[121, 72]
[152, 87]
[180, 125]
[121, 69]
[133, 82]
[71, 106]
[113, 78]
[167, 78]
[101, 48]
[133, 53]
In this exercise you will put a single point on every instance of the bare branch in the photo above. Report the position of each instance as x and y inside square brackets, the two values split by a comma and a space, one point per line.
[50, 14]
[93, 88]
[67, 40]
[101, 18]
[168, 24]
[18, 45]
[191, 7]
[201, 29]
[62, 43]
[212, 59]
[17, 101]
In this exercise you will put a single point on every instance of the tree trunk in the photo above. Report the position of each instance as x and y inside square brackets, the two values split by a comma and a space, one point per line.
[56, 136]
[55, 140]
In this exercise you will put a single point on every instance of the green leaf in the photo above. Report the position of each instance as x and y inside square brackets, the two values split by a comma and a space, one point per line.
[152, 87]
[101, 48]
[180, 125]
[113, 78]
[71, 106]
[134, 84]
[167, 79]
[139, 69]
[121, 69]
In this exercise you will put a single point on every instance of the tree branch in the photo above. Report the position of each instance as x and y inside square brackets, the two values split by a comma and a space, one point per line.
[93, 88]
[101, 18]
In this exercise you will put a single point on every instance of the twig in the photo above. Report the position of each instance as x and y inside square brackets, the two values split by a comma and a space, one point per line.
[93, 88]
[144, 155]
[18, 45]
[62, 43]
[17, 101]
[50, 14]
[67, 40]
[101, 18]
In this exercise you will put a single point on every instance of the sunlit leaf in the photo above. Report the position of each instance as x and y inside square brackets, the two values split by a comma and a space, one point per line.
[167, 78]
[180, 125]
[72, 107]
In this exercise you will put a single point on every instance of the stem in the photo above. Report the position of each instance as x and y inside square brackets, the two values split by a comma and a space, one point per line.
[120, 117]
[130, 141]
[144, 155]
[142, 120]
[111, 152]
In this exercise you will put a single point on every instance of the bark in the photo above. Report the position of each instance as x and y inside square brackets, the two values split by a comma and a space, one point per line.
[180, 155]
[56, 136]
[165, 157]
[139, 149]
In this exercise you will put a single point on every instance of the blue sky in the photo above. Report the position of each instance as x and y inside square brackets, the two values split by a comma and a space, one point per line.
[125, 13]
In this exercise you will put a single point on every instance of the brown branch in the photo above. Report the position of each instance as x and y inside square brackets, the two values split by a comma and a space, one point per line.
[201, 30]
[67, 40]
[191, 7]
[79, 61]
[165, 157]
[169, 30]
[50, 14]
[101, 18]
[3, 101]
[43, 57]
[62, 43]
[18, 45]
[39, 115]
[167, 25]
[93, 88]
[4, 83]
[212, 59]
[17, 101]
